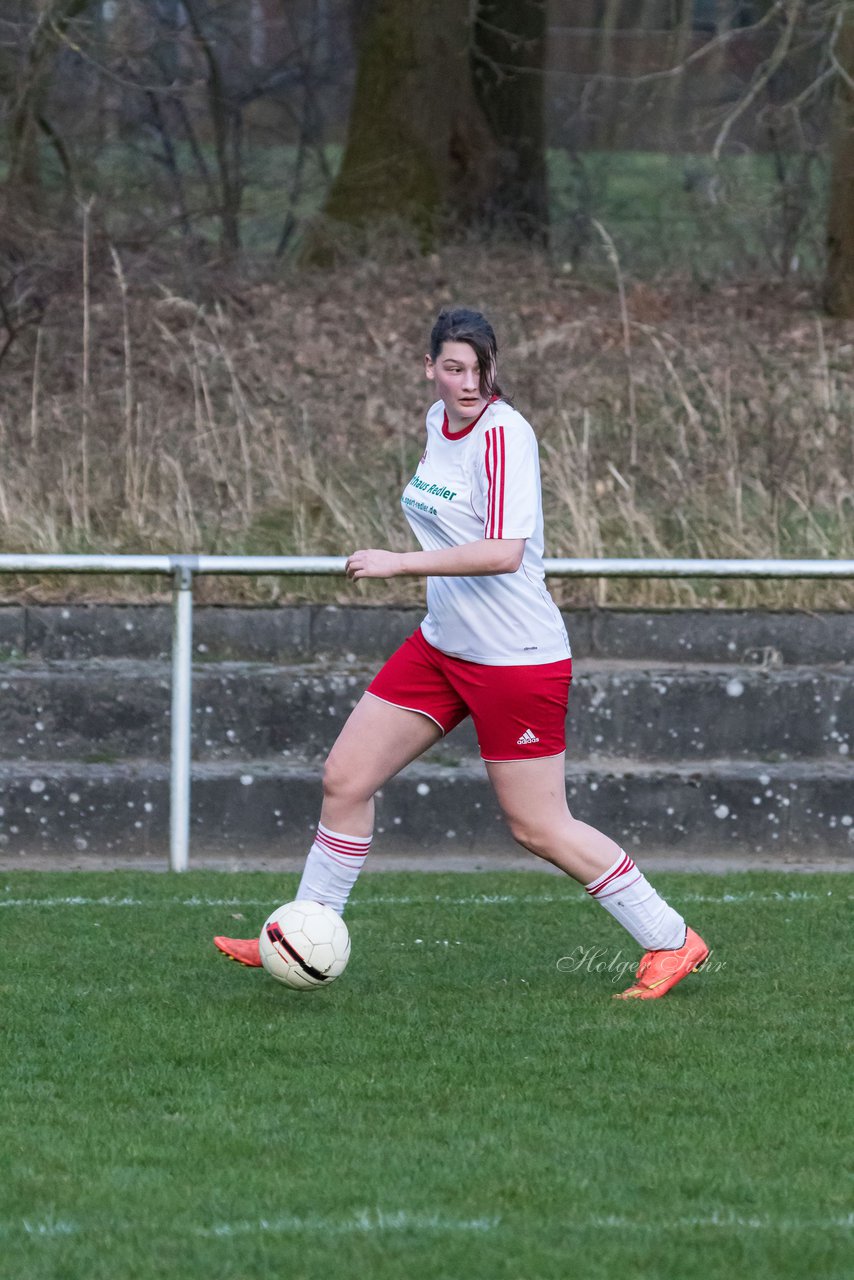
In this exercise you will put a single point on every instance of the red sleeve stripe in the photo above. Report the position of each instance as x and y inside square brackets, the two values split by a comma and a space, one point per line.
[495, 481]
[489, 485]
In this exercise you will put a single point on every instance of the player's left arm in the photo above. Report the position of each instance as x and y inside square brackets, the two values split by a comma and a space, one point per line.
[471, 560]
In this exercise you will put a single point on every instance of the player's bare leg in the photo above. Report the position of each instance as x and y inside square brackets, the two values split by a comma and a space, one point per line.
[377, 741]
[532, 796]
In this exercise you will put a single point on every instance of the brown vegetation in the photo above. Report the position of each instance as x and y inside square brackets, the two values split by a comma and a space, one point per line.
[286, 416]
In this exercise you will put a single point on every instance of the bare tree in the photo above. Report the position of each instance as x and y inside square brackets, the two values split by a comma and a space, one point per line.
[418, 141]
[839, 276]
[162, 98]
[446, 117]
[226, 123]
[508, 59]
[27, 115]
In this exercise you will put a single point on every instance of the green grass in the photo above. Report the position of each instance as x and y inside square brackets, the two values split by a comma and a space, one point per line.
[666, 212]
[688, 213]
[457, 1105]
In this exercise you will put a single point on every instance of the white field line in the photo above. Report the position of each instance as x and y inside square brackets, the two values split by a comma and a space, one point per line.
[363, 1221]
[49, 1229]
[373, 1221]
[376, 1220]
[722, 1222]
[366, 1221]
[475, 900]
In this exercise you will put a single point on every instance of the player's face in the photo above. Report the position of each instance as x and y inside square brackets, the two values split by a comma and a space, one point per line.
[456, 373]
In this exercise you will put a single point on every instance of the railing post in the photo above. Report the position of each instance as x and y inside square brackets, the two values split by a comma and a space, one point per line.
[182, 711]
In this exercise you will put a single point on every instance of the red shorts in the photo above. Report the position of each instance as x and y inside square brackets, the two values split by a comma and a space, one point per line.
[519, 712]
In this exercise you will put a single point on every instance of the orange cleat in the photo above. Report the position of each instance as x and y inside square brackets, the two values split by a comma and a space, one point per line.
[243, 950]
[658, 971]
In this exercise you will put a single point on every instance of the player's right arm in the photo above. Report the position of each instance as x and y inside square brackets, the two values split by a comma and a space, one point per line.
[471, 560]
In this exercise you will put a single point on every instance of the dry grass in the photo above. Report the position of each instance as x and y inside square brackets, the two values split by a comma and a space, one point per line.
[286, 416]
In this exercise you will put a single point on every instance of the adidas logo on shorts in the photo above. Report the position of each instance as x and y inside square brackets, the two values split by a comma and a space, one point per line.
[526, 739]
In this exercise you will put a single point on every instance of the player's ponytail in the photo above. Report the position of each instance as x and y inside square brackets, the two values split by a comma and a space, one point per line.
[460, 324]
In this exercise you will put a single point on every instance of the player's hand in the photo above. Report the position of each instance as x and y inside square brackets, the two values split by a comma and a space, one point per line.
[373, 564]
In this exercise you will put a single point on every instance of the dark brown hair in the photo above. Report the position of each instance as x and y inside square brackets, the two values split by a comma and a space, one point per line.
[460, 324]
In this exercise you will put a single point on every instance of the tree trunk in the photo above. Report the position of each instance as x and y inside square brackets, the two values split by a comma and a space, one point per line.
[839, 277]
[508, 63]
[227, 125]
[419, 145]
[27, 114]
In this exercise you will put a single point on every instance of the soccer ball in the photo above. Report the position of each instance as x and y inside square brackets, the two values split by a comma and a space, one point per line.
[305, 945]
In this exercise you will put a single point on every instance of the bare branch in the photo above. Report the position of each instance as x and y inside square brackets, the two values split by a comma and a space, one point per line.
[771, 66]
[834, 40]
[704, 51]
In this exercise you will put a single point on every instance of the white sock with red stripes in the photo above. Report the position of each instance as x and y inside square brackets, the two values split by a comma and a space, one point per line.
[332, 867]
[627, 895]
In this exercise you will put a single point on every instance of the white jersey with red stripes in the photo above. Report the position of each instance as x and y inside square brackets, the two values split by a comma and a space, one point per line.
[484, 482]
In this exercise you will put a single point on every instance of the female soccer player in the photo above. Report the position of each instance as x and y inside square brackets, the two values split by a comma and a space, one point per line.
[492, 646]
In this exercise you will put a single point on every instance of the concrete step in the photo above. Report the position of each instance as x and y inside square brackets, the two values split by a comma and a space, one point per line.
[263, 806]
[307, 633]
[111, 710]
[688, 730]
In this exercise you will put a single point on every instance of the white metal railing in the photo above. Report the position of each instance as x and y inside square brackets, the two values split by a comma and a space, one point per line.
[183, 568]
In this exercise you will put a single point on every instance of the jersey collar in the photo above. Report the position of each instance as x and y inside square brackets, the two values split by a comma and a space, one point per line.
[460, 435]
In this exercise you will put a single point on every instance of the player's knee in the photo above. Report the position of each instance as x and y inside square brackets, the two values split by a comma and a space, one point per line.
[335, 780]
[529, 833]
[342, 782]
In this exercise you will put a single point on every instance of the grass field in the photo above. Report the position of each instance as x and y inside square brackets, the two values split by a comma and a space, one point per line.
[467, 1101]
[667, 211]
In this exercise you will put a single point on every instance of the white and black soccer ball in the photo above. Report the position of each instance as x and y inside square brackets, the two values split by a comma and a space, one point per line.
[305, 945]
